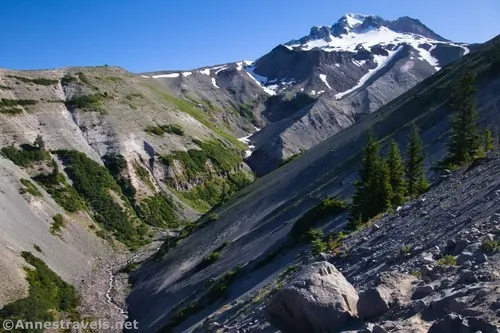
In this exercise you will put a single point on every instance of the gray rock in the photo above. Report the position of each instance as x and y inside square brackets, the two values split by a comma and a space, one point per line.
[422, 291]
[419, 306]
[461, 245]
[452, 323]
[467, 276]
[473, 253]
[392, 288]
[316, 300]
[427, 258]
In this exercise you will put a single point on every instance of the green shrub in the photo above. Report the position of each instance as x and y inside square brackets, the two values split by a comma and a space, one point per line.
[39, 81]
[156, 130]
[37, 248]
[25, 156]
[68, 79]
[210, 259]
[11, 111]
[4, 102]
[491, 246]
[158, 211]
[89, 102]
[94, 184]
[57, 225]
[173, 129]
[447, 260]
[63, 193]
[48, 295]
[31, 188]
[130, 267]
[326, 208]
[405, 249]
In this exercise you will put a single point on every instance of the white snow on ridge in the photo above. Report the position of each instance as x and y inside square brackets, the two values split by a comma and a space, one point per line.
[220, 70]
[215, 83]
[374, 36]
[381, 61]
[185, 74]
[205, 71]
[466, 49]
[147, 77]
[323, 78]
[427, 56]
[171, 75]
[267, 90]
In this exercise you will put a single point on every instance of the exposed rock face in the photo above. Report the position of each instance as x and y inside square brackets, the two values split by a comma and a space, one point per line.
[392, 288]
[319, 299]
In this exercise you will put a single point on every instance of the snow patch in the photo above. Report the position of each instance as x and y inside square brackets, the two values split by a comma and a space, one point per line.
[205, 71]
[147, 77]
[215, 83]
[171, 75]
[186, 74]
[323, 78]
[381, 62]
[246, 140]
[427, 56]
[267, 90]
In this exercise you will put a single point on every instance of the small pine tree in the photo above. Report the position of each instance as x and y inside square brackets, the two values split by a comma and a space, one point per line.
[489, 145]
[415, 173]
[39, 143]
[397, 175]
[465, 140]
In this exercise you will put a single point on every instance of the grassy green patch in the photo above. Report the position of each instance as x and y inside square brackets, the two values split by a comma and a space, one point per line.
[39, 81]
[30, 188]
[49, 297]
[326, 208]
[405, 249]
[191, 109]
[130, 267]
[95, 185]
[143, 175]
[57, 225]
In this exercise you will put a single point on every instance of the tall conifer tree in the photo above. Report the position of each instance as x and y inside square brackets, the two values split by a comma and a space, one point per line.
[415, 173]
[465, 140]
[397, 174]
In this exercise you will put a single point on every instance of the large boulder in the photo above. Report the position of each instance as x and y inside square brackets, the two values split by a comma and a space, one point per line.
[318, 299]
[454, 323]
[391, 288]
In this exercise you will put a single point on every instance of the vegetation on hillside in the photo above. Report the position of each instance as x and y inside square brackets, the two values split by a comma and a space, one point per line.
[26, 156]
[326, 208]
[220, 181]
[30, 188]
[49, 299]
[40, 81]
[101, 193]
[160, 130]
[384, 182]
[157, 210]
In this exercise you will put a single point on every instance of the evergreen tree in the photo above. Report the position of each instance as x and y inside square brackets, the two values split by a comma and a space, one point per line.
[397, 175]
[464, 141]
[415, 173]
[373, 190]
[488, 141]
[385, 192]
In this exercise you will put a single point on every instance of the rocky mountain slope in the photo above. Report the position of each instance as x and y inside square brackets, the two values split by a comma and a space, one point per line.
[255, 224]
[306, 90]
[98, 160]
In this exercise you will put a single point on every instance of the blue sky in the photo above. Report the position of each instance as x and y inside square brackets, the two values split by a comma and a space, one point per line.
[149, 35]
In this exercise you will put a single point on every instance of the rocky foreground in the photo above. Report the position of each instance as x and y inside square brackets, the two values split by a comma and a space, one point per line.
[431, 266]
